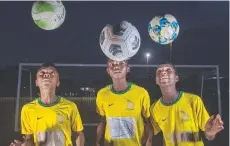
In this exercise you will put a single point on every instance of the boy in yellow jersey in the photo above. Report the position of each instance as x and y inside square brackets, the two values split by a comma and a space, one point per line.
[50, 119]
[180, 115]
[124, 110]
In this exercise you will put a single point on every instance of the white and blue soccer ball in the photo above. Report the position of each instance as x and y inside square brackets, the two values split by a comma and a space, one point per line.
[163, 29]
[120, 42]
[48, 15]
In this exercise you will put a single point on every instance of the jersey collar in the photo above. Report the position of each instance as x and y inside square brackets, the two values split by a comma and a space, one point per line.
[48, 105]
[121, 92]
[174, 101]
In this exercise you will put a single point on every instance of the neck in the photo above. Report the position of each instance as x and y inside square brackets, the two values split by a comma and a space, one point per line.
[120, 85]
[169, 94]
[48, 97]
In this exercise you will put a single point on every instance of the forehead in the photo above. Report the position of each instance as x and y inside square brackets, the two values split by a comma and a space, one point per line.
[116, 62]
[47, 69]
[165, 66]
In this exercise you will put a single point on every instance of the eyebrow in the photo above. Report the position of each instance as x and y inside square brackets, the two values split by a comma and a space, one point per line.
[49, 68]
[167, 67]
[47, 71]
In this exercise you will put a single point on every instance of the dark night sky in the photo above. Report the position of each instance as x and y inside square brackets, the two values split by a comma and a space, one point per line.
[203, 36]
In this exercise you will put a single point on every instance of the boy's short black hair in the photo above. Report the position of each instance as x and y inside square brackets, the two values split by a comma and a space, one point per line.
[126, 61]
[47, 64]
[167, 62]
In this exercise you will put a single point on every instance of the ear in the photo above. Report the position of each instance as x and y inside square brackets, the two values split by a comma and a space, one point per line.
[177, 78]
[157, 81]
[36, 83]
[58, 83]
[107, 69]
[128, 69]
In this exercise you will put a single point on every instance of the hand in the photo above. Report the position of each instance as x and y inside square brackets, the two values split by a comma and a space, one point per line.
[16, 143]
[214, 125]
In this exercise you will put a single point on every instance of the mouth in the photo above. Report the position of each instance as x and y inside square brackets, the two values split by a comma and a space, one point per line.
[117, 72]
[163, 78]
[46, 81]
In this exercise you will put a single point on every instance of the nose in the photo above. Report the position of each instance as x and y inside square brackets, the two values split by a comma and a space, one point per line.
[46, 75]
[116, 67]
[164, 73]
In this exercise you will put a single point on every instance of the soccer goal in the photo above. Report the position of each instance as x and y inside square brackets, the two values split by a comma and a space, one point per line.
[80, 83]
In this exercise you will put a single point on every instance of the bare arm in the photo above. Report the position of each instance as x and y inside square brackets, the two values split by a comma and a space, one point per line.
[209, 137]
[80, 138]
[27, 141]
[100, 130]
[147, 138]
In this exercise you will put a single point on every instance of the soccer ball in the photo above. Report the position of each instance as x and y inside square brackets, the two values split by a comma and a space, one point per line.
[48, 15]
[163, 29]
[120, 42]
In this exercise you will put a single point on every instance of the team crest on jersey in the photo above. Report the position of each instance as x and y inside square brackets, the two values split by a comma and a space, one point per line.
[130, 105]
[184, 116]
[60, 118]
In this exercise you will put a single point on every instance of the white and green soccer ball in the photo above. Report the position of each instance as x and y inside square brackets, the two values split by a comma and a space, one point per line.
[48, 15]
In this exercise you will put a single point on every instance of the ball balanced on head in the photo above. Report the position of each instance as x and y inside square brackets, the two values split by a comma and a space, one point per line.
[120, 42]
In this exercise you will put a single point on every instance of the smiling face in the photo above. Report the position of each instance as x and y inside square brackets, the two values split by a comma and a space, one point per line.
[47, 78]
[166, 75]
[117, 69]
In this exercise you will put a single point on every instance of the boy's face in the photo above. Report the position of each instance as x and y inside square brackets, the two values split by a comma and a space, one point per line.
[166, 75]
[47, 77]
[117, 69]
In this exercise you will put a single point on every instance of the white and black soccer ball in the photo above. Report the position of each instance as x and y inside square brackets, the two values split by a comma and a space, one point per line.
[120, 42]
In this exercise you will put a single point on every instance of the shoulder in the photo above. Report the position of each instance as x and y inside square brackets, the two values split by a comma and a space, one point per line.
[30, 105]
[193, 99]
[138, 88]
[155, 105]
[66, 102]
[103, 91]
[191, 96]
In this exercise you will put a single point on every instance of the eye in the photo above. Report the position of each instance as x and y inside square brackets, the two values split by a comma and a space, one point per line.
[111, 65]
[52, 73]
[114, 64]
[41, 73]
[159, 72]
[121, 63]
[169, 70]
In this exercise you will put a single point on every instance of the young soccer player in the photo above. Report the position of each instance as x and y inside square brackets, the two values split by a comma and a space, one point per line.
[124, 110]
[180, 115]
[50, 119]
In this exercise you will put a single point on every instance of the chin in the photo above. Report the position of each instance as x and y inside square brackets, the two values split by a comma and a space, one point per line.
[118, 76]
[165, 84]
[46, 86]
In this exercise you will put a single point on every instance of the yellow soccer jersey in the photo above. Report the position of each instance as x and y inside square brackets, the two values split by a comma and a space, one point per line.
[51, 124]
[180, 121]
[124, 112]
